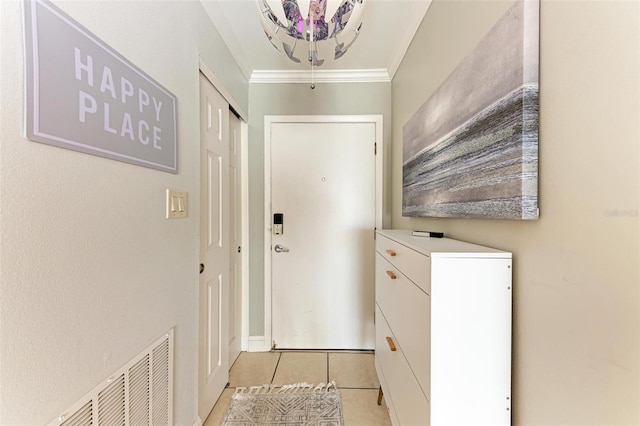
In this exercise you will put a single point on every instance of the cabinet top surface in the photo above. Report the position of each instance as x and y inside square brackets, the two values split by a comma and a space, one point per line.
[442, 247]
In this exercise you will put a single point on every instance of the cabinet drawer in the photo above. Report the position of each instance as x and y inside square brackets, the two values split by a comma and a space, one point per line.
[416, 266]
[407, 310]
[410, 405]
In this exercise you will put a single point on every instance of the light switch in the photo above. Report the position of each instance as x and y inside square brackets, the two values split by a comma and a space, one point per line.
[176, 204]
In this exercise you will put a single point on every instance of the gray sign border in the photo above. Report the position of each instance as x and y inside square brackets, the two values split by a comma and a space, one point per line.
[31, 82]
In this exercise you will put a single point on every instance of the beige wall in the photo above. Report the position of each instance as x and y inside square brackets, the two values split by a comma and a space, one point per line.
[576, 278]
[295, 99]
[90, 271]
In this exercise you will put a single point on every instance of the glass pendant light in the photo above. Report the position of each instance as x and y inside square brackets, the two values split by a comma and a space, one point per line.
[318, 29]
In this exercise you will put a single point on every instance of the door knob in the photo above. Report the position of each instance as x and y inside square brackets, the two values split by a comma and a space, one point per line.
[201, 267]
[279, 249]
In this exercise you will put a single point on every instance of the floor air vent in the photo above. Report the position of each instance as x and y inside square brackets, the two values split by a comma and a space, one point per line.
[140, 393]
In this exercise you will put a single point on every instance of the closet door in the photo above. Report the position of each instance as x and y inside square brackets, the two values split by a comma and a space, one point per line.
[213, 365]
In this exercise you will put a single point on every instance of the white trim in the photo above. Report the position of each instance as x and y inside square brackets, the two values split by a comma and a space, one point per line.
[204, 69]
[379, 194]
[258, 344]
[244, 164]
[267, 229]
[412, 25]
[320, 76]
[198, 422]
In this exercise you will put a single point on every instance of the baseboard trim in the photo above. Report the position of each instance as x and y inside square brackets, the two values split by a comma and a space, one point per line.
[258, 344]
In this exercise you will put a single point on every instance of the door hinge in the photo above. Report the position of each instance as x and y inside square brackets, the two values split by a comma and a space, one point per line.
[375, 148]
[375, 231]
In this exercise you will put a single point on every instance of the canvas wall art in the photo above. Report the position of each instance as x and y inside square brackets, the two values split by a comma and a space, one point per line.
[471, 150]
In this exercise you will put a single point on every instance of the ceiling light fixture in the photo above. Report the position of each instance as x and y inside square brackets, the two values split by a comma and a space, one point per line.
[284, 25]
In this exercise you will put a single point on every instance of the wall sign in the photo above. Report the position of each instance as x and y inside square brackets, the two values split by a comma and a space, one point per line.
[83, 95]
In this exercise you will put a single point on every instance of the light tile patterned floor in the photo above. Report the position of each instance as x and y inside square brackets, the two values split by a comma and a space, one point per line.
[354, 373]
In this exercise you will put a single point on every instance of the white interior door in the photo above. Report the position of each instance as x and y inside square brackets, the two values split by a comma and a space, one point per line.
[213, 365]
[323, 183]
[235, 239]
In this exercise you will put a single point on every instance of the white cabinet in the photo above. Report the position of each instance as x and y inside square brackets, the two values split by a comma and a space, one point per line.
[443, 330]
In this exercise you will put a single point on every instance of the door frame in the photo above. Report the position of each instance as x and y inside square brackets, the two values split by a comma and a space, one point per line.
[259, 344]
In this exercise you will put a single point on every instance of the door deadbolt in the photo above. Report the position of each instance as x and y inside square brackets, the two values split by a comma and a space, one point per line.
[278, 223]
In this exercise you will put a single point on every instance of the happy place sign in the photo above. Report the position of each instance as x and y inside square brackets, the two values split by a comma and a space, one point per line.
[83, 95]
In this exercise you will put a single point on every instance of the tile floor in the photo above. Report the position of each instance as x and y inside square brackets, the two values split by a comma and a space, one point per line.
[354, 373]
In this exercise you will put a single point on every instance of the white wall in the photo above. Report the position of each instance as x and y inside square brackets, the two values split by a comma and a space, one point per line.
[576, 277]
[90, 271]
[295, 99]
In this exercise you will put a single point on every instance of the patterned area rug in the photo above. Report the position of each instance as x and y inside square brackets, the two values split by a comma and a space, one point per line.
[298, 404]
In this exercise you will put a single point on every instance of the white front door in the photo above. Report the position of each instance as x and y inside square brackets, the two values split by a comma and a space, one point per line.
[235, 239]
[213, 367]
[322, 264]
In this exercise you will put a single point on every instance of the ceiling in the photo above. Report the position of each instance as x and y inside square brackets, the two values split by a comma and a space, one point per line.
[388, 26]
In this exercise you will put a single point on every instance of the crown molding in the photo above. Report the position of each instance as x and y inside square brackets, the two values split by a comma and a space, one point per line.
[216, 13]
[412, 25]
[320, 76]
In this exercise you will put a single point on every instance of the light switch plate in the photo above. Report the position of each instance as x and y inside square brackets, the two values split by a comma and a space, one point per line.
[176, 204]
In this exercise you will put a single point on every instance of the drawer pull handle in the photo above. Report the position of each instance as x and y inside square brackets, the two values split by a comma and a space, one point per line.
[391, 275]
[392, 345]
[391, 253]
